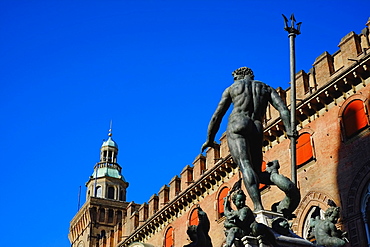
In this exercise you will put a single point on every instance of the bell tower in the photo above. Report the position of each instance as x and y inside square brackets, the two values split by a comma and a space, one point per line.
[102, 215]
[107, 181]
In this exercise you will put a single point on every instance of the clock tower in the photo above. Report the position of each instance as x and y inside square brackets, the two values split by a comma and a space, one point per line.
[102, 215]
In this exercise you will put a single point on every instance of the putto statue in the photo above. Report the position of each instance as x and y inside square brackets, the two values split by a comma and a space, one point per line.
[325, 231]
[241, 222]
[238, 222]
[245, 130]
[199, 234]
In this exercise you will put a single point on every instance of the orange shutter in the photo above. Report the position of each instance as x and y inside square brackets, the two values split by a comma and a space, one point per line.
[263, 168]
[304, 149]
[354, 118]
[220, 201]
[194, 218]
[168, 242]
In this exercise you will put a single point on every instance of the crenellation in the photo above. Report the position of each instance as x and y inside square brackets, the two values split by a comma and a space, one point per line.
[153, 205]
[200, 165]
[302, 84]
[212, 156]
[324, 68]
[350, 48]
[163, 196]
[337, 61]
[175, 187]
[143, 213]
[224, 148]
[132, 217]
[187, 177]
[365, 40]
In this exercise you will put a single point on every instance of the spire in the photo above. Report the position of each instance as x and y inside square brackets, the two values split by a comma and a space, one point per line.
[110, 141]
[110, 129]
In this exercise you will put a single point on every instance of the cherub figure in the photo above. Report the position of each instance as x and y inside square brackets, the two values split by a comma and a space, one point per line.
[241, 222]
[325, 230]
[238, 222]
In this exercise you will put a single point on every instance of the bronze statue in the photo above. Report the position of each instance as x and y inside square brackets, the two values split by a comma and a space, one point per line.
[238, 222]
[326, 232]
[241, 222]
[245, 131]
[199, 234]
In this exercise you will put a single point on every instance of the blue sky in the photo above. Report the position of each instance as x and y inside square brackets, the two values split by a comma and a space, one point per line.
[155, 68]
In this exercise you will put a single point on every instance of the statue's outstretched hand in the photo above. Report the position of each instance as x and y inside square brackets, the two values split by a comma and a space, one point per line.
[206, 145]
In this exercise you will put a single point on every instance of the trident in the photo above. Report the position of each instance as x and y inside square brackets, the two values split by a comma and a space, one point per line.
[292, 33]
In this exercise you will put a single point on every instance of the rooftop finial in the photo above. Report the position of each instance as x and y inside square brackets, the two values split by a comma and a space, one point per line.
[110, 129]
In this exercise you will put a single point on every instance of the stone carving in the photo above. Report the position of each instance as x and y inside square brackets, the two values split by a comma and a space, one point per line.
[245, 131]
[199, 234]
[241, 222]
[325, 231]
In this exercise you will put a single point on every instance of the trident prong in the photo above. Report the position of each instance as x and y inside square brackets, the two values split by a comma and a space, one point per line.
[292, 29]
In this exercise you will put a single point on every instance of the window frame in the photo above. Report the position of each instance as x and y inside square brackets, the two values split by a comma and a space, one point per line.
[169, 231]
[341, 114]
[220, 201]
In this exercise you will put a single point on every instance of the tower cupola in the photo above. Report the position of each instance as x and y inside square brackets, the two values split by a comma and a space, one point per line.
[107, 181]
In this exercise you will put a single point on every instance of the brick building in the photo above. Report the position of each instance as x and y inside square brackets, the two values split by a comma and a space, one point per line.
[332, 161]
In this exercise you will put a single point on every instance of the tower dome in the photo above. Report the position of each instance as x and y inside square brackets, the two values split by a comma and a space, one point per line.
[107, 180]
[110, 142]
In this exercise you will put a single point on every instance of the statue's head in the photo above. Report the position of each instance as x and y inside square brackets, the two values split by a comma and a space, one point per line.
[281, 225]
[239, 199]
[192, 233]
[242, 72]
[332, 214]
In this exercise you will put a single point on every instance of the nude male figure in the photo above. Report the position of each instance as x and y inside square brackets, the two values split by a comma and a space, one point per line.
[245, 130]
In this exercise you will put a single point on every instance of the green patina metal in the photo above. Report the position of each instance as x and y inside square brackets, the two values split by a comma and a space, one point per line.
[110, 143]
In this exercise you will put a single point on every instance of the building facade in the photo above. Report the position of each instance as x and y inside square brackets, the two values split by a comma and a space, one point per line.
[333, 162]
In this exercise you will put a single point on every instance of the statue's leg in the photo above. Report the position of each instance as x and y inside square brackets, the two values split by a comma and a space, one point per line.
[255, 138]
[230, 237]
[239, 149]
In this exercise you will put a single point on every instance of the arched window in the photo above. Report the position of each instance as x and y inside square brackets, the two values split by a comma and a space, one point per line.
[93, 214]
[110, 192]
[119, 216]
[102, 234]
[354, 118]
[168, 239]
[263, 168]
[304, 149]
[110, 216]
[193, 221]
[101, 214]
[220, 201]
[98, 191]
[122, 196]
